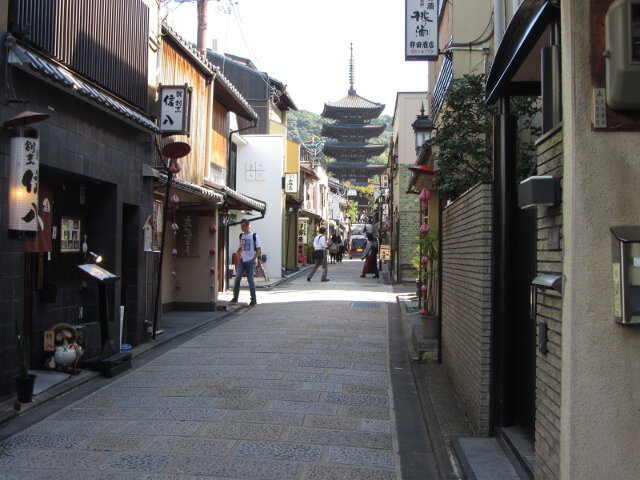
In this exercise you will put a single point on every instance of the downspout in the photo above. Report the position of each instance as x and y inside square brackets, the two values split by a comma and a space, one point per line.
[498, 21]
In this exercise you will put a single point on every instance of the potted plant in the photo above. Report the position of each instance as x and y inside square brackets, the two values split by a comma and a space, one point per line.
[24, 380]
[426, 264]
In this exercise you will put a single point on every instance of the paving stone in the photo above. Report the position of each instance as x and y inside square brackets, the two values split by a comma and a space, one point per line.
[258, 375]
[120, 393]
[294, 396]
[169, 402]
[302, 407]
[322, 387]
[280, 451]
[268, 384]
[375, 367]
[310, 377]
[239, 467]
[85, 427]
[239, 404]
[278, 418]
[373, 375]
[65, 460]
[366, 457]
[358, 380]
[137, 461]
[190, 446]
[330, 472]
[364, 412]
[162, 476]
[365, 390]
[43, 441]
[78, 474]
[212, 382]
[18, 474]
[380, 426]
[109, 400]
[244, 431]
[322, 363]
[198, 414]
[338, 423]
[339, 437]
[114, 443]
[161, 427]
[115, 413]
[365, 400]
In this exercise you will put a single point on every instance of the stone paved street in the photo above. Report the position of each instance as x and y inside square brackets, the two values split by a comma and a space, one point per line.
[297, 387]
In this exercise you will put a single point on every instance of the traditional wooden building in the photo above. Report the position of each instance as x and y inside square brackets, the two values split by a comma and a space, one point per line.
[350, 131]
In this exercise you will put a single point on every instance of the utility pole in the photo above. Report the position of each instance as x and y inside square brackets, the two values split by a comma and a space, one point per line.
[202, 26]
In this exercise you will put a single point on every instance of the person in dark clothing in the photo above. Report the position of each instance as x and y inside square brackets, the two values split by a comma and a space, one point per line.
[369, 255]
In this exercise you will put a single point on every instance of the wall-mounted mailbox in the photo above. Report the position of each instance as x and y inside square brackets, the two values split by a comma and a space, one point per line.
[546, 282]
[626, 274]
[539, 191]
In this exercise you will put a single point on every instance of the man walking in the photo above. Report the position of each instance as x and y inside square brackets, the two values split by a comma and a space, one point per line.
[319, 255]
[249, 251]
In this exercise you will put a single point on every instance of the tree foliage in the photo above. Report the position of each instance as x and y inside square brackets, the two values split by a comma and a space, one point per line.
[465, 136]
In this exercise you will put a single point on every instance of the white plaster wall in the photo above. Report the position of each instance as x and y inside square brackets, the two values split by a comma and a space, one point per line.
[408, 105]
[267, 152]
[600, 401]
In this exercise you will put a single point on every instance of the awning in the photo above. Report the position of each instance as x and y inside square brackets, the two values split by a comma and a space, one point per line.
[237, 201]
[199, 193]
[310, 215]
[516, 66]
[46, 69]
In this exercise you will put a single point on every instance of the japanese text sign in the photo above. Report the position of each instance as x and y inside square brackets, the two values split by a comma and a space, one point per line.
[175, 105]
[421, 30]
[23, 188]
[291, 182]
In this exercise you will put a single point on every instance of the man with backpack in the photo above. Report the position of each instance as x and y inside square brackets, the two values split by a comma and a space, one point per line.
[249, 251]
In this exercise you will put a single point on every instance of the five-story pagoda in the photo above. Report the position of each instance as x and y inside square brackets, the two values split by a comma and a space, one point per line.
[350, 131]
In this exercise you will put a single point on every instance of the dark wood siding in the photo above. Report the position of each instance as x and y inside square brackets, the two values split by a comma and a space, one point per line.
[103, 40]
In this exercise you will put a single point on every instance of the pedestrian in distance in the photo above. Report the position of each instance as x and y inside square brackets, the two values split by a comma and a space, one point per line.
[369, 256]
[319, 255]
[333, 248]
[249, 251]
[340, 249]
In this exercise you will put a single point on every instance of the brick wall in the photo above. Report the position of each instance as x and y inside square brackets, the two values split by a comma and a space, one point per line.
[549, 310]
[409, 227]
[466, 300]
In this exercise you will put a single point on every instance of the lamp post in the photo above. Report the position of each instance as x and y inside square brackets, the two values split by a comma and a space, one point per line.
[173, 151]
[422, 127]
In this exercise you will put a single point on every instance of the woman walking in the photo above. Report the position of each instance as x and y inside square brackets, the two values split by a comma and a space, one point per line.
[369, 255]
[333, 248]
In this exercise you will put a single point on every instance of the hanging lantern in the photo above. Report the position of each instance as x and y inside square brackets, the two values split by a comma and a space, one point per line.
[175, 167]
[173, 274]
[424, 229]
[423, 312]
[174, 252]
[212, 286]
[175, 200]
[423, 289]
[174, 228]
[212, 270]
[213, 229]
[23, 181]
[424, 261]
[212, 252]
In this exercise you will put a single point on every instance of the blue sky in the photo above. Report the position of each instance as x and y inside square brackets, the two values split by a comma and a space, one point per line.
[305, 45]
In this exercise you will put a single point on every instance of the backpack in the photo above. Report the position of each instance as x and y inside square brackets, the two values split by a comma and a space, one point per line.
[254, 240]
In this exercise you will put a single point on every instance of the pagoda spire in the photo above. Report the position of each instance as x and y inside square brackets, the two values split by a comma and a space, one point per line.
[352, 91]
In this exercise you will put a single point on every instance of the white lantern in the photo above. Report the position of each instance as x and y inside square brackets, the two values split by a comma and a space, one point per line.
[23, 182]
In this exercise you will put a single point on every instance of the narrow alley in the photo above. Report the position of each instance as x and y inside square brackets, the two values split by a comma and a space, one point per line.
[298, 387]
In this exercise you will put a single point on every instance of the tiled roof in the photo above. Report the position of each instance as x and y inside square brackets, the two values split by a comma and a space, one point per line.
[32, 61]
[354, 101]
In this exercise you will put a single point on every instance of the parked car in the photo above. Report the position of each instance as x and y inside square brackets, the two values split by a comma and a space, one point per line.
[356, 245]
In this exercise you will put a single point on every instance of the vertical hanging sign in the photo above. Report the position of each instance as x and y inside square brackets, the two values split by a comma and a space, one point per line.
[175, 109]
[421, 30]
[23, 182]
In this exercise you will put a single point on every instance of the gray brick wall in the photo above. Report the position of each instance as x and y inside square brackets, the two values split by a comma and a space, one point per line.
[549, 309]
[466, 301]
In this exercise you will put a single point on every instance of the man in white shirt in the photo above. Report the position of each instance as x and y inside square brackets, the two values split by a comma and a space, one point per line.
[249, 251]
[319, 255]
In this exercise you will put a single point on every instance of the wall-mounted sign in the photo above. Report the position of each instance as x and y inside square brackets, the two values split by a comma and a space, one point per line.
[291, 182]
[384, 181]
[69, 235]
[187, 237]
[23, 181]
[175, 109]
[421, 30]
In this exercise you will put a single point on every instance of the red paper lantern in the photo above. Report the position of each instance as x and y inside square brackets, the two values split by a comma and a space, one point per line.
[173, 274]
[212, 270]
[175, 200]
[423, 288]
[213, 229]
[174, 228]
[175, 167]
[174, 252]
[424, 229]
[424, 260]
[212, 252]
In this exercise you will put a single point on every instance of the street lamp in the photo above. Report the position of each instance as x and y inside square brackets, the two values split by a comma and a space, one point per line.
[173, 151]
[423, 126]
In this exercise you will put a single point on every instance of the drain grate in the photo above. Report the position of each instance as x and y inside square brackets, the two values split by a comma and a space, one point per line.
[366, 305]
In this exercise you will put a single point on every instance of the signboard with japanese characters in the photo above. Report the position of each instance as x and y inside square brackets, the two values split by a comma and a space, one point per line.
[187, 235]
[23, 182]
[421, 30]
[291, 182]
[175, 108]
[384, 181]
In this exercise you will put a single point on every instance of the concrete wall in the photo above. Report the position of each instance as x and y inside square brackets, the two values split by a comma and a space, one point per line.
[600, 424]
[466, 301]
[266, 152]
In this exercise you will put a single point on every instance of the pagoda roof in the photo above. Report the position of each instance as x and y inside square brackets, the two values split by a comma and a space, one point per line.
[358, 149]
[352, 106]
[371, 168]
[352, 130]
